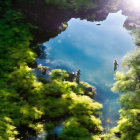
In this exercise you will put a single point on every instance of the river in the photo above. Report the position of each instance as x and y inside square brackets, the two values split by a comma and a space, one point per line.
[93, 48]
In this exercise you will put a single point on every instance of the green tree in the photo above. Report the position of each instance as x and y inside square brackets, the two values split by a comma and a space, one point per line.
[74, 4]
[26, 103]
[128, 83]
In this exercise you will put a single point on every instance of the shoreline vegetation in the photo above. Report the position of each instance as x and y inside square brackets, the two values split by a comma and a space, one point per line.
[31, 105]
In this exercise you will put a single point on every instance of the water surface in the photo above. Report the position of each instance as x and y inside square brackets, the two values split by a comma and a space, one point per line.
[93, 49]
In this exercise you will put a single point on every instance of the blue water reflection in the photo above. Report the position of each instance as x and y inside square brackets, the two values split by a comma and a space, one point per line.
[93, 49]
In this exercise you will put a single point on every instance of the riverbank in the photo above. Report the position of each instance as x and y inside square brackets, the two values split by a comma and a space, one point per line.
[26, 103]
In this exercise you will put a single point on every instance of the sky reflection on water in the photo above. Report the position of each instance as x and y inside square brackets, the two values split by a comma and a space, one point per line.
[93, 49]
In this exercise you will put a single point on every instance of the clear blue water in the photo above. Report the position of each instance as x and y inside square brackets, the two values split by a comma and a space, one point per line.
[93, 49]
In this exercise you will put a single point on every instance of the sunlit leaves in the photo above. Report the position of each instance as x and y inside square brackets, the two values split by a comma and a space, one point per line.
[73, 129]
[63, 102]
[58, 74]
[129, 84]
[82, 105]
[38, 127]
[7, 129]
[80, 128]
[27, 104]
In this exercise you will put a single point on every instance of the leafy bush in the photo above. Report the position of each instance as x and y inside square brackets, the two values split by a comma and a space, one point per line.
[129, 83]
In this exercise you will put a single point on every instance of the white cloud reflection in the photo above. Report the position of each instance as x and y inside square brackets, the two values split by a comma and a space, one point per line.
[93, 49]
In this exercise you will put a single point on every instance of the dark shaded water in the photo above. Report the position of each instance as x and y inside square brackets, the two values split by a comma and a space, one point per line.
[93, 49]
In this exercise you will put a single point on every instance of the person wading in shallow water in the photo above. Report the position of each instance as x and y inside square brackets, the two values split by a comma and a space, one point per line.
[115, 65]
[78, 76]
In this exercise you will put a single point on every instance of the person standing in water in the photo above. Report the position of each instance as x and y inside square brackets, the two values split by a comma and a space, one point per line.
[115, 65]
[78, 76]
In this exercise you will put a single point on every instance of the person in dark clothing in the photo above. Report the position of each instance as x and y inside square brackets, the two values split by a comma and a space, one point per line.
[71, 77]
[78, 76]
[115, 65]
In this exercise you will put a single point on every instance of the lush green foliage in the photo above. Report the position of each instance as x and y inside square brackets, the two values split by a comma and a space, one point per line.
[136, 35]
[18, 104]
[134, 31]
[74, 4]
[27, 102]
[28, 105]
[78, 111]
[129, 83]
